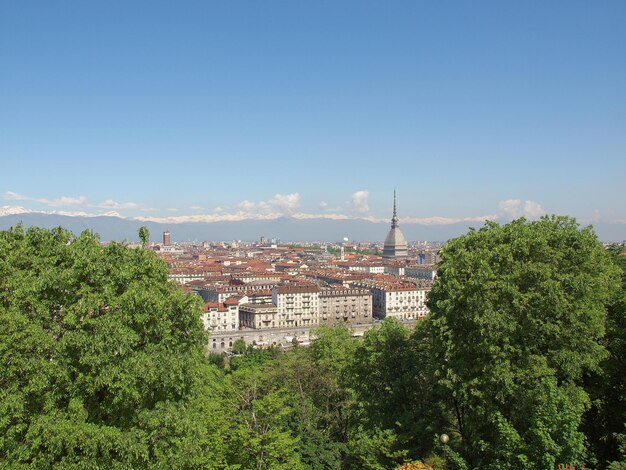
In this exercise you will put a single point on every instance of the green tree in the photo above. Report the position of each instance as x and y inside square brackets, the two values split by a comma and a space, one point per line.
[605, 423]
[315, 419]
[253, 359]
[217, 359]
[332, 352]
[239, 346]
[144, 236]
[103, 358]
[395, 387]
[518, 317]
[259, 433]
[319, 383]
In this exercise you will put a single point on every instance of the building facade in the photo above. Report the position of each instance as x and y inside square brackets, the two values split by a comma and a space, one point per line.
[343, 305]
[258, 316]
[221, 317]
[403, 301]
[298, 305]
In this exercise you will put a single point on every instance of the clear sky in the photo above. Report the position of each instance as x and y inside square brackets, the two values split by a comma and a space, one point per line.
[237, 109]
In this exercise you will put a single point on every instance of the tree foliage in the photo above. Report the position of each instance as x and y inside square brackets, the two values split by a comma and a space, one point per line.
[518, 317]
[105, 365]
[239, 346]
[395, 387]
[605, 423]
[102, 357]
[144, 236]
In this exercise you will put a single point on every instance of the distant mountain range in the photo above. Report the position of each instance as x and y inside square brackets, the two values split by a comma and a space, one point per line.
[286, 228]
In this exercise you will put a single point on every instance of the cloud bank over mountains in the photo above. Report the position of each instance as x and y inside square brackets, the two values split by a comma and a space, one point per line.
[276, 208]
[279, 205]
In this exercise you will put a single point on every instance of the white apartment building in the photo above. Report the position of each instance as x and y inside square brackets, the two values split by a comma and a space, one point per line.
[297, 305]
[183, 276]
[220, 317]
[222, 293]
[421, 272]
[403, 301]
[366, 268]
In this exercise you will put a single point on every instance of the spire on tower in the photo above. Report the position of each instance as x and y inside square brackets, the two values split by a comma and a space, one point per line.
[394, 219]
[395, 245]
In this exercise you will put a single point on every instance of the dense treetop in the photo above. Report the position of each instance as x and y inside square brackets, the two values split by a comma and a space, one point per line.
[521, 363]
[518, 318]
[99, 351]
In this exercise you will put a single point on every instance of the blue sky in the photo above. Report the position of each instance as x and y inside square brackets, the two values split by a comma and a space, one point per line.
[206, 110]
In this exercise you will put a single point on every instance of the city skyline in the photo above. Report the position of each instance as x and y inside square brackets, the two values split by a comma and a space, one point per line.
[210, 112]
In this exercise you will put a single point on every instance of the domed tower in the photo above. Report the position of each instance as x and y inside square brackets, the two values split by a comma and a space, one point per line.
[395, 243]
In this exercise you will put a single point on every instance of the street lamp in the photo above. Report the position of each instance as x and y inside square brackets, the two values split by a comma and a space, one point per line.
[444, 439]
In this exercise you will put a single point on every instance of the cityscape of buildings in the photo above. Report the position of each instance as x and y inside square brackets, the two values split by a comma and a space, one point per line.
[268, 293]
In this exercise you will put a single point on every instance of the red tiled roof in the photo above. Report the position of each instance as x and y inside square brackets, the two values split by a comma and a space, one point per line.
[288, 289]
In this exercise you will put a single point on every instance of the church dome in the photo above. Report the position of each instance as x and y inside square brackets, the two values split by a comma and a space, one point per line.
[395, 243]
[395, 237]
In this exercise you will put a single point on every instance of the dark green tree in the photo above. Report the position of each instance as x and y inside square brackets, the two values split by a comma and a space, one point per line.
[605, 423]
[394, 386]
[239, 346]
[102, 358]
[331, 353]
[518, 316]
[259, 413]
[217, 360]
[144, 236]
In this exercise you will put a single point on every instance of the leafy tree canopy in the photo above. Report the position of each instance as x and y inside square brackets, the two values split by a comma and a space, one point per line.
[103, 360]
[518, 315]
[144, 235]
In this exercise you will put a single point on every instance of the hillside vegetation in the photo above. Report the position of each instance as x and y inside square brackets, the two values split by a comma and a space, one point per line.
[521, 363]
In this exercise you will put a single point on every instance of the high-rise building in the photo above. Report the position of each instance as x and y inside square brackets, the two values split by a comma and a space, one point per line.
[166, 238]
[395, 243]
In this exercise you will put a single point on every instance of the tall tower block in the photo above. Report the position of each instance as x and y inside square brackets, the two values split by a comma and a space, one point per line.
[395, 243]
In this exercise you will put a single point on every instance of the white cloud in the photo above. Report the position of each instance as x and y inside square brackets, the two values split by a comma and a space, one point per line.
[239, 216]
[109, 214]
[12, 210]
[247, 205]
[79, 201]
[65, 201]
[438, 220]
[594, 219]
[279, 205]
[514, 209]
[236, 217]
[510, 208]
[60, 201]
[111, 204]
[285, 202]
[359, 203]
[10, 195]
[533, 210]
[69, 201]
